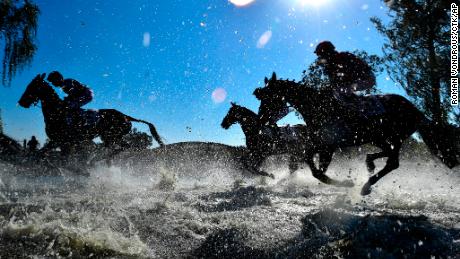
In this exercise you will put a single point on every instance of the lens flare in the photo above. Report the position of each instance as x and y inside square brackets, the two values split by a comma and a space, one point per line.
[219, 95]
[264, 39]
[146, 39]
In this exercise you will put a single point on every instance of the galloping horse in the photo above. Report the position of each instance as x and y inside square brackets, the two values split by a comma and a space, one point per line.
[334, 128]
[108, 124]
[262, 141]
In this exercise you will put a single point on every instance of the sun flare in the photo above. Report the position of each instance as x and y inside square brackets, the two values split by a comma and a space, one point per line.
[241, 3]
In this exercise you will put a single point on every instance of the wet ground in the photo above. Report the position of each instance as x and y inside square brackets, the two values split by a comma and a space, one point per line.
[195, 200]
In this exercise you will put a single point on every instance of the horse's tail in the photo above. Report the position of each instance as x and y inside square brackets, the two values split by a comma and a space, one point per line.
[441, 140]
[153, 131]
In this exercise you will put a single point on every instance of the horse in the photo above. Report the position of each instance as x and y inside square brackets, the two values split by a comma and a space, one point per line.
[334, 127]
[262, 141]
[108, 124]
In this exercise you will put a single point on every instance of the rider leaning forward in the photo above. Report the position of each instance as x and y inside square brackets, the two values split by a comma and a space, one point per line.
[347, 73]
[78, 94]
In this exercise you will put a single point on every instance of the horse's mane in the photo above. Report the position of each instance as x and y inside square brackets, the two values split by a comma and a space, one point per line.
[245, 111]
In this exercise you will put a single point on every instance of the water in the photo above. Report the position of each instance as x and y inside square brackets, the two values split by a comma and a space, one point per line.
[192, 200]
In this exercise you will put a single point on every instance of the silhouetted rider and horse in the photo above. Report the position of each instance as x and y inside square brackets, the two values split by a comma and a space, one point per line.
[67, 125]
[336, 117]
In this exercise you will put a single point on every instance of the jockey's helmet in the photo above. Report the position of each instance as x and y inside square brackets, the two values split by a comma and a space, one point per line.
[55, 78]
[324, 48]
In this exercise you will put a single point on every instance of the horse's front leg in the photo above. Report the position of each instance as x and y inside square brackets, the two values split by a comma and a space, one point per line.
[293, 163]
[320, 174]
[253, 161]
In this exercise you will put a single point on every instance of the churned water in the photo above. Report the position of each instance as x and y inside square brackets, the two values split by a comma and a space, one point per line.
[195, 200]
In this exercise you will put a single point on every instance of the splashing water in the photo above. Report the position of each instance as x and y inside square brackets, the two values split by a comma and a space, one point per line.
[177, 201]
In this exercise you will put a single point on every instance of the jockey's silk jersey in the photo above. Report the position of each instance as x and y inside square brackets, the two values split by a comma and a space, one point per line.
[78, 94]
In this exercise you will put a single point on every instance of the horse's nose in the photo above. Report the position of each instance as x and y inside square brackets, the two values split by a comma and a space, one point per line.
[22, 104]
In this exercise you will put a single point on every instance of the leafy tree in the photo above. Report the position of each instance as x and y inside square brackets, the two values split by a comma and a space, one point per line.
[138, 140]
[18, 28]
[316, 77]
[417, 53]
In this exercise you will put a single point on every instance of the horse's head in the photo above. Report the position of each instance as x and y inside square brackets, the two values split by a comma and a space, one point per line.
[274, 89]
[232, 116]
[32, 93]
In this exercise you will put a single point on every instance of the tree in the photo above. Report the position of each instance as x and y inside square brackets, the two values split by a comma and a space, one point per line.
[138, 140]
[18, 28]
[417, 53]
[316, 77]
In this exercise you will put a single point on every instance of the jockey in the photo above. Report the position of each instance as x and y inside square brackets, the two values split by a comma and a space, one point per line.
[78, 94]
[347, 73]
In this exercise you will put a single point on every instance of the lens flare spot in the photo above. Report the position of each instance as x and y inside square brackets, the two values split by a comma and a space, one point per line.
[241, 3]
[264, 39]
[219, 95]
[146, 40]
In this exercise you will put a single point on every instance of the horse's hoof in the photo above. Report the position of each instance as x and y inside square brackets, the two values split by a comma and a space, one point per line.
[366, 190]
[347, 183]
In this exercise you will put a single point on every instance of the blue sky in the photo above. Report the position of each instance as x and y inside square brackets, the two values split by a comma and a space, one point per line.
[161, 60]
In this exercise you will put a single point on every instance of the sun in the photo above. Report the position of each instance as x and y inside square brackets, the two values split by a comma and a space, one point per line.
[241, 3]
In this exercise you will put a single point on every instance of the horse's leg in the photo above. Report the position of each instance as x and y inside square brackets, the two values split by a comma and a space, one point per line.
[110, 143]
[320, 174]
[253, 161]
[392, 164]
[370, 160]
[293, 163]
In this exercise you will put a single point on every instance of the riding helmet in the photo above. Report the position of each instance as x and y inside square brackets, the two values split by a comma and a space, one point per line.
[55, 76]
[325, 47]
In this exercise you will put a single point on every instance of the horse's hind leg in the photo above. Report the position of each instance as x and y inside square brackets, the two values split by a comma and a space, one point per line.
[392, 164]
[370, 160]
[293, 163]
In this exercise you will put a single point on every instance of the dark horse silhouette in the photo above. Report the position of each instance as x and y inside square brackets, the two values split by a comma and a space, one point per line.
[262, 141]
[108, 124]
[334, 127]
